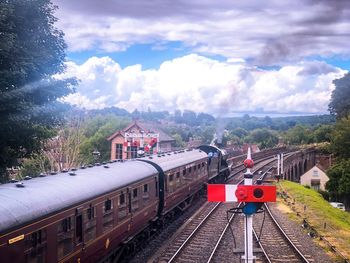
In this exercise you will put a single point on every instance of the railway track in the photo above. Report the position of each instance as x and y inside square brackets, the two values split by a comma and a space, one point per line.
[276, 244]
[199, 240]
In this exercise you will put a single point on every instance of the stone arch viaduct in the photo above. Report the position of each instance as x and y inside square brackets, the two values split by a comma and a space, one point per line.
[297, 163]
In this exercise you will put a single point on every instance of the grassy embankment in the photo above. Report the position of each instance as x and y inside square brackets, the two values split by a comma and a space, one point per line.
[330, 222]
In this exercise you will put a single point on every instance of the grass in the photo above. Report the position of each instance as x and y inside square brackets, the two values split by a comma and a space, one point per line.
[330, 222]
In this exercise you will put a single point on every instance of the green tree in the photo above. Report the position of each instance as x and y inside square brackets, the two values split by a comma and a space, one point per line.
[263, 137]
[239, 132]
[207, 134]
[339, 181]
[323, 133]
[298, 135]
[97, 130]
[33, 166]
[340, 138]
[32, 50]
[179, 143]
[340, 100]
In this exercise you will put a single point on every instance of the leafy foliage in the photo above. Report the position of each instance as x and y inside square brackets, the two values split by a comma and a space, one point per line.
[323, 133]
[96, 132]
[298, 135]
[340, 100]
[340, 138]
[31, 52]
[263, 137]
[339, 181]
[35, 165]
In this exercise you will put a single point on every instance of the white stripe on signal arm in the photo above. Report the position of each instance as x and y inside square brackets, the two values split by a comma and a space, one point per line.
[230, 192]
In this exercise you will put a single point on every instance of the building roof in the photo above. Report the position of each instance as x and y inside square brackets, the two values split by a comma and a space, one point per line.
[147, 127]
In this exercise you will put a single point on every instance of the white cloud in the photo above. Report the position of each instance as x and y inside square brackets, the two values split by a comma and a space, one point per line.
[267, 32]
[203, 85]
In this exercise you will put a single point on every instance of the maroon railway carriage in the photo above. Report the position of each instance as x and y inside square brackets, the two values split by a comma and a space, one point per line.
[76, 216]
[184, 173]
[86, 215]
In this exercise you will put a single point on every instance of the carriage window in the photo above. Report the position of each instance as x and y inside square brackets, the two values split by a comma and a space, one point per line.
[36, 238]
[122, 199]
[108, 205]
[65, 238]
[145, 188]
[107, 219]
[90, 213]
[35, 247]
[171, 177]
[199, 165]
[194, 168]
[190, 169]
[177, 174]
[66, 224]
[202, 164]
[134, 193]
[79, 229]
[90, 224]
[184, 172]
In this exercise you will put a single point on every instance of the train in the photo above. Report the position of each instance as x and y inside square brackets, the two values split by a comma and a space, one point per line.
[98, 213]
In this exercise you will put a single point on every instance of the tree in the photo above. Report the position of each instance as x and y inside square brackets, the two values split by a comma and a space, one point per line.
[323, 133]
[205, 118]
[339, 181]
[96, 132]
[239, 132]
[32, 50]
[33, 166]
[340, 138]
[298, 135]
[264, 137]
[63, 150]
[340, 100]
[189, 117]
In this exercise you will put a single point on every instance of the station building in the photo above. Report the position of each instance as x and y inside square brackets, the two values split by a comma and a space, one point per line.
[137, 139]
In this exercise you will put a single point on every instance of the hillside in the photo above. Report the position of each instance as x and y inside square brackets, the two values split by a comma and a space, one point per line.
[331, 223]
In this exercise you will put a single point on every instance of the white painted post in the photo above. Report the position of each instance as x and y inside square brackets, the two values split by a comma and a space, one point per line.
[282, 171]
[248, 221]
[278, 164]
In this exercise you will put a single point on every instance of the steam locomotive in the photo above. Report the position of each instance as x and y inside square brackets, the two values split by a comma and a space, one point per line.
[95, 213]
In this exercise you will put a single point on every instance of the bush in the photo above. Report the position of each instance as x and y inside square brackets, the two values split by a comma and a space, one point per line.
[324, 194]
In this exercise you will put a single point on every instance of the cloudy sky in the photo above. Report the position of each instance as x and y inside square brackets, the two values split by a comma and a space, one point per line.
[219, 57]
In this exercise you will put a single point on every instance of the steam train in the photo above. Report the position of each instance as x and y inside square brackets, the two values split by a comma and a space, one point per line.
[94, 213]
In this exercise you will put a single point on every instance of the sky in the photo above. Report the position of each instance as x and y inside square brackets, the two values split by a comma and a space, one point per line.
[219, 57]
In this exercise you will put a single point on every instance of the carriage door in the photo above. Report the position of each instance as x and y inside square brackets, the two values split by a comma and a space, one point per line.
[78, 229]
[129, 201]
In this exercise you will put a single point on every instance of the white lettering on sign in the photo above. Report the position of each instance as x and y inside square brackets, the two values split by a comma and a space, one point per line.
[140, 135]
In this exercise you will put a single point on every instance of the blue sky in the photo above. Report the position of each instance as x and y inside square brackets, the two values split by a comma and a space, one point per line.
[144, 54]
[219, 57]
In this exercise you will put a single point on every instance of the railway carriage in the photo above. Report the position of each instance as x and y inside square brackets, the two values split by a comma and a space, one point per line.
[92, 214]
[183, 173]
[77, 215]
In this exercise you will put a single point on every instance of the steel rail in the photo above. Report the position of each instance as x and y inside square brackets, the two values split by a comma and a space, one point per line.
[299, 253]
[262, 247]
[177, 252]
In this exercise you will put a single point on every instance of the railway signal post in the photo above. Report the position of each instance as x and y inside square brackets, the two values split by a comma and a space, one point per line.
[253, 197]
[248, 218]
